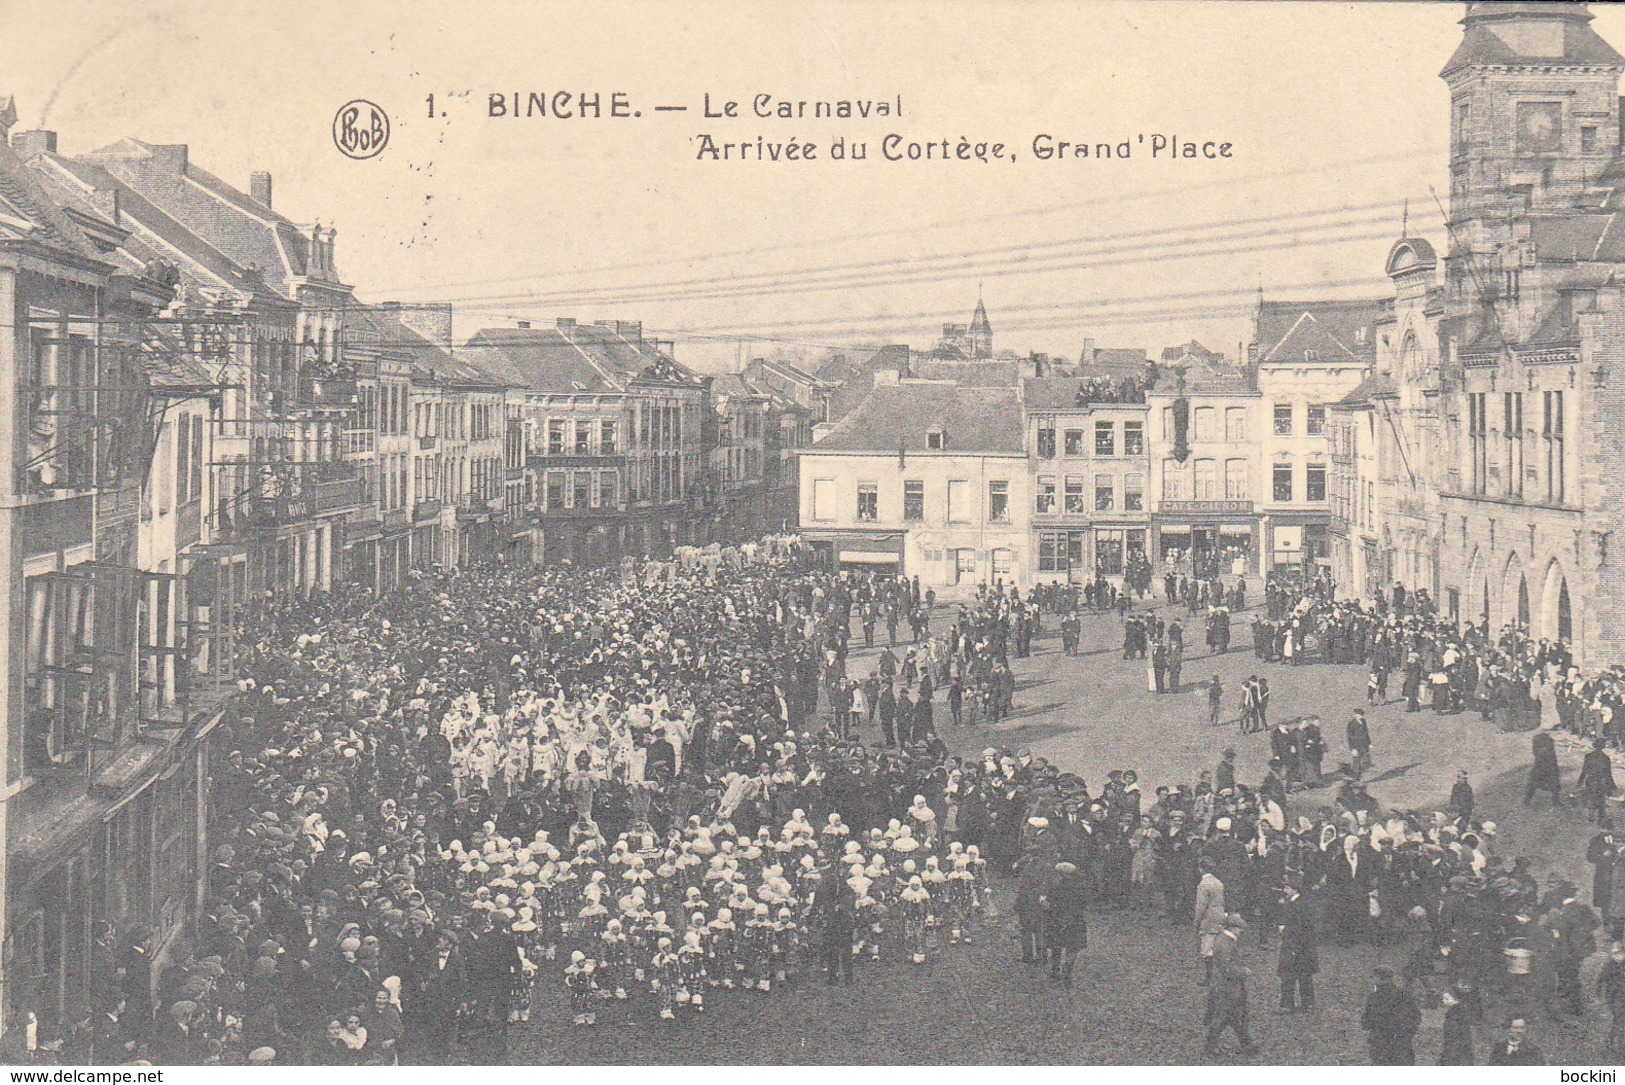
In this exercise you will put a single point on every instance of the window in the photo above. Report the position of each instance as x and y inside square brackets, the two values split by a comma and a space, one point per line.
[1512, 431]
[1588, 139]
[1105, 439]
[606, 437]
[1478, 440]
[583, 438]
[913, 500]
[1074, 442]
[998, 502]
[1133, 438]
[868, 502]
[1235, 480]
[936, 439]
[1133, 493]
[1105, 494]
[1206, 426]
[823, 499]
[1051, 552]
[1315, 421]
[183, 452]
[1044, 502]
[1173, 481]
[1046, 438]
[555, 490]
[1207, 480]
[1370, 505]
[1283, 419]
[1074, 494]
[1282, 488]
[609, 489]
[1458, 127]
[581, 489]
[555, 437]
[1235, 423]
[1314, 486]
[1552, 437]
[1109, 545]
[958, 501]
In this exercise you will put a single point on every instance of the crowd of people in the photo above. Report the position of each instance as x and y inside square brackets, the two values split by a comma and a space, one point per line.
[652, 788]
[622, 782]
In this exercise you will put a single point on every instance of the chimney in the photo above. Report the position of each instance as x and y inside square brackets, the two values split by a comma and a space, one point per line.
[106, 201]
[29, 144]
[8, 116]
[1087, 357]
[430, 319]
[565, 323]
[524, 325]
[171, 157]
[259, 187]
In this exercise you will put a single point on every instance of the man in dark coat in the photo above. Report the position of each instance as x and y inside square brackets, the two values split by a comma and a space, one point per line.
[1597, 781]
[1067, 927]
[1391, 1018]
[1227, 996]
[1606, 856]
[1544, 774]
[1299, 960]
[1461, 797]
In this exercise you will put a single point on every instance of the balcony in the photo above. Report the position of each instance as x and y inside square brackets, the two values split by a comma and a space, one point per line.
[425, 511]
[427, 443]
[358, 442]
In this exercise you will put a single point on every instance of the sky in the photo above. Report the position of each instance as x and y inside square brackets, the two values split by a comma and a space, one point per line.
[1334, 114]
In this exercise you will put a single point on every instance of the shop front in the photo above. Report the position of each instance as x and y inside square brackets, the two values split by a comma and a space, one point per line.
[1299, 540]
[1206, 539]
[877, 551]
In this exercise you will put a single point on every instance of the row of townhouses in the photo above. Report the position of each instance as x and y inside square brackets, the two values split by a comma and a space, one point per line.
[202, 418]
[1462, 436]
[1029, 470]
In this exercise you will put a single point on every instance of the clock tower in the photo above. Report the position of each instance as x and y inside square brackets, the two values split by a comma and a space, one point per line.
[1534, 120]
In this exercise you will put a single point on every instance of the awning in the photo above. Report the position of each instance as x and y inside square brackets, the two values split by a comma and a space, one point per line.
[867, 557]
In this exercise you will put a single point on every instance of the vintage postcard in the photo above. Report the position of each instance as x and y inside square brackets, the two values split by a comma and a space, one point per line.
[723, 533]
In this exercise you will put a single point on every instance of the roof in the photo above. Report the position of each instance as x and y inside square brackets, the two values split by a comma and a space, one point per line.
[1193, 349]
[900, 416]
[1334, 330]
[1060, 393]
[982, 374]
[245, 231]
[28, 213]
[1204, 379]
[1118, 358]
[151, 232]
[572, 357]
[1540, 34]
[1377, 386]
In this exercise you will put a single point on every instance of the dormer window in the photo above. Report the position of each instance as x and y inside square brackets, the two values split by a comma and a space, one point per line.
[1311, 356]
[936, 438]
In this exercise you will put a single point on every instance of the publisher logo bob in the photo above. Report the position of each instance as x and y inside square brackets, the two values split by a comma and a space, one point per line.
[360, 129]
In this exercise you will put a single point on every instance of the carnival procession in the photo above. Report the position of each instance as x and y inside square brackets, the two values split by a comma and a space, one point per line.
[849, 609]
[566, 800]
